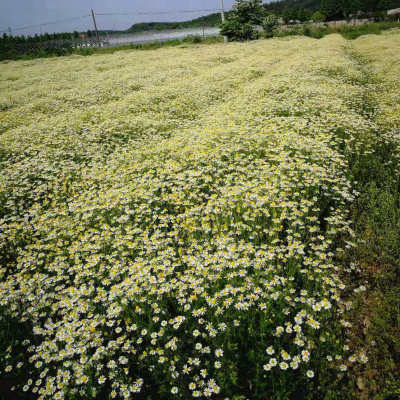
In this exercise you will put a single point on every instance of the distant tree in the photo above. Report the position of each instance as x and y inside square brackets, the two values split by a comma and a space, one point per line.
[318, 16]
[269, 23]
[289, 14]
[236, 31]
[331, 8]
[369, 5]
[349, 8]
[248, 11]
[240, 23]
[385, 5]
[75, 34]
[304, 14]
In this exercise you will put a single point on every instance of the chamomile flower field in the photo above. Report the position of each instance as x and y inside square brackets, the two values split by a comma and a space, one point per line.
[177, 223]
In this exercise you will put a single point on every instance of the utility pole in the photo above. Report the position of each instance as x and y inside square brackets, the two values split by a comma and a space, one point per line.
[95, 26]
[223, 17]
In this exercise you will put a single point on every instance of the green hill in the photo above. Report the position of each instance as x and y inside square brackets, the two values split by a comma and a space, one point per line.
[207, 20]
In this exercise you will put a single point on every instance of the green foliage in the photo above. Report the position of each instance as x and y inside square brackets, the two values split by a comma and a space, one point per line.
[289, 14]
[12, 47]
[304, 14]
[192, 39]
[350, 8]
[248, 11]
[384, 5]
[236, 31]
[318, 16]
[296, 14]
[353, 32]
[269, 24]
[239, 25]
[377, 221]
[333, 9]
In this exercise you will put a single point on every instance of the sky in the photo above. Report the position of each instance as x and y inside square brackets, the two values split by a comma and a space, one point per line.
[23, 15]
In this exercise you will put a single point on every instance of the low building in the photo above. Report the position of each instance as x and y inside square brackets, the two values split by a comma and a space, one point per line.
[395, 11]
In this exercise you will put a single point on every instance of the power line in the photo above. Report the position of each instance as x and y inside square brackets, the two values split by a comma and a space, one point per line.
[162, 12]
[22, 28]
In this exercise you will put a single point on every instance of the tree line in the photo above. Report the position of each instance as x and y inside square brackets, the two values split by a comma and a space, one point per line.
[247, 14]
[46, 37]
[57, 44]
[303, 10]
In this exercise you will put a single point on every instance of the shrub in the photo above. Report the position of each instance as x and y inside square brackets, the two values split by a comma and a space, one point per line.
[318, 16]
[193, 39]
[269, 24]
[240, 24]
[235, 30]
[248, 11]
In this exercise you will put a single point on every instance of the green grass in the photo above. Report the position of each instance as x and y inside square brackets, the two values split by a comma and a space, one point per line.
[376, 219]
[376, 315]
